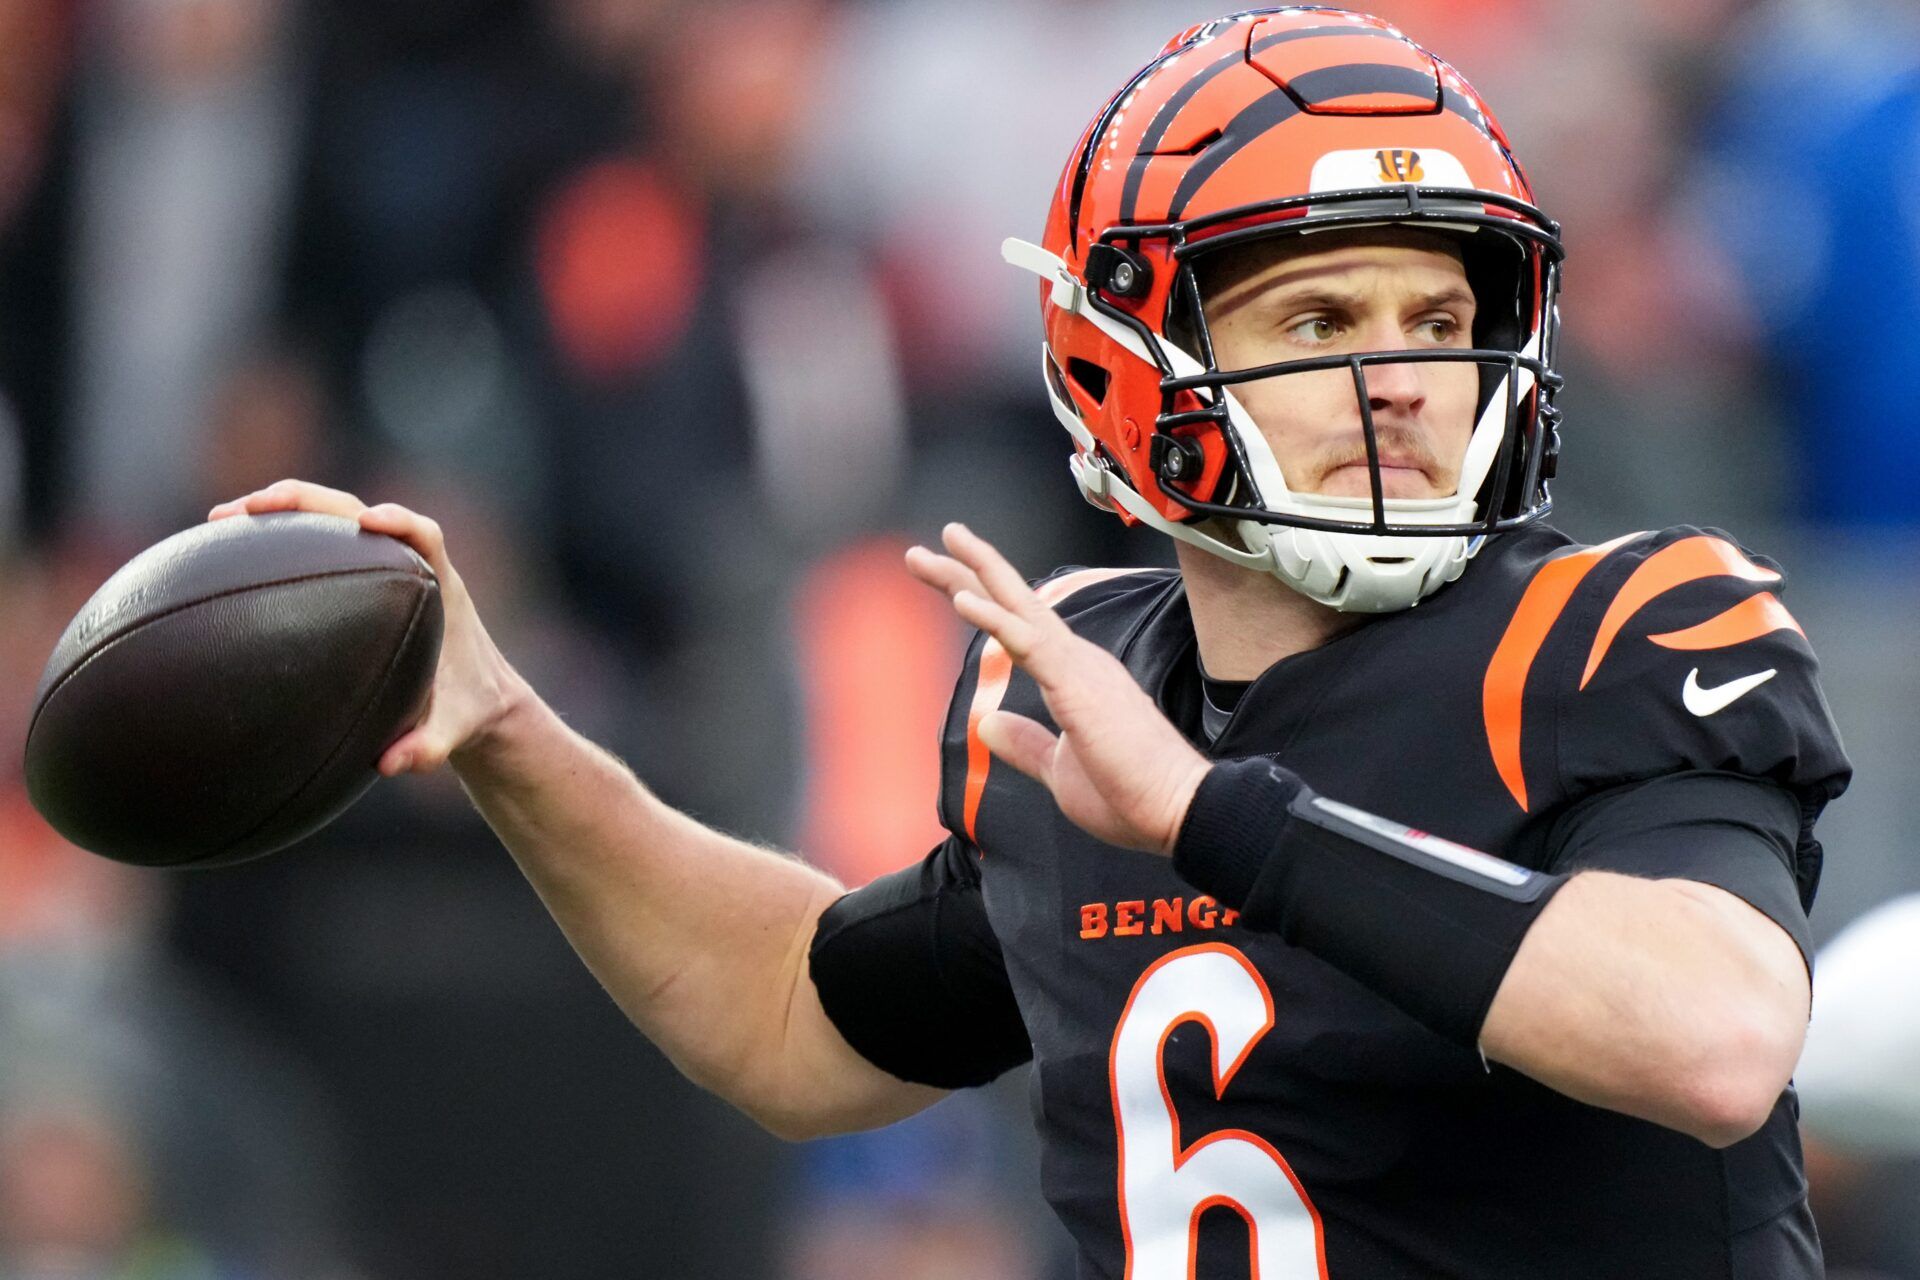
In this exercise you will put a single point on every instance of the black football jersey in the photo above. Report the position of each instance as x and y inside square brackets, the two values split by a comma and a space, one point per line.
[1213, 1103]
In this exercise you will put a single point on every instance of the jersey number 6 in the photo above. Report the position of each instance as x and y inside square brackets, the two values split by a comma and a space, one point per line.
[1164, 1186]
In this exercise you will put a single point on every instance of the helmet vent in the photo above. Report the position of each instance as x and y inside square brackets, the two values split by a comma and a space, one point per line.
[1193, 148]
[1363, 70]
[1089, 377]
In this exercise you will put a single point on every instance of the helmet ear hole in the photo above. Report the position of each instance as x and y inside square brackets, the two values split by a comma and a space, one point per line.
[1089, 377]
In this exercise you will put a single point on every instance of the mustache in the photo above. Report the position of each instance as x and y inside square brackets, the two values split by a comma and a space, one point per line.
[1398, 446]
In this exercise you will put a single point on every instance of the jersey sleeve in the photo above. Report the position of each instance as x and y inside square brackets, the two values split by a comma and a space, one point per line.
[910, 972]
[1735, 833]
[1692, 737]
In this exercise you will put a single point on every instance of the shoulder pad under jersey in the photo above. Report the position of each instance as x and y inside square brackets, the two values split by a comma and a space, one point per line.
[1654, 654]
[1102, 604]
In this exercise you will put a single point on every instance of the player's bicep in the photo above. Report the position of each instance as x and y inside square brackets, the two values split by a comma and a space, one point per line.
[1737, 834]
[1761, 938]
[910, 974]
[829, 1086]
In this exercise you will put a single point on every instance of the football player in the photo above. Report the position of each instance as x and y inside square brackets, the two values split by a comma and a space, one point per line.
[1399, 888]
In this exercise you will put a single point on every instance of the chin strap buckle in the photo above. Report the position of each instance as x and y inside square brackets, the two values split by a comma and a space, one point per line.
[1550, 451]
[1094, 479]
[1068, 294]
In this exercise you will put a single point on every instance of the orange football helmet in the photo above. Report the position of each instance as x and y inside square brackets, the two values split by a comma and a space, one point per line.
[1278, 122]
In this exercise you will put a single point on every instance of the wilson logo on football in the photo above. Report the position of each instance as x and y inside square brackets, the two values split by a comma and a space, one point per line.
[1688, 560]
[1400, 165]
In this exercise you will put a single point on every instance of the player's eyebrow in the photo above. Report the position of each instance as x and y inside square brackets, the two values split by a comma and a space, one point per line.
[1453, 296]
[1274, 295]
[1296, 299]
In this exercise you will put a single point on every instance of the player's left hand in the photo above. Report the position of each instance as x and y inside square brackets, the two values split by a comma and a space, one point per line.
[1118, 768]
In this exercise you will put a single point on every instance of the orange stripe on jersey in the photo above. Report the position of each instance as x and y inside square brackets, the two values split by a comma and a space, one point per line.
[1687, 560]
[996, 669]
[1505, 687]
[1752, 618]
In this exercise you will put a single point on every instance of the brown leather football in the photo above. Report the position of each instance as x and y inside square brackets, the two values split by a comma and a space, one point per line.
[229, 690]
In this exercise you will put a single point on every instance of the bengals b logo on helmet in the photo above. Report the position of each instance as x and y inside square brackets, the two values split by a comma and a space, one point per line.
[1400, 165]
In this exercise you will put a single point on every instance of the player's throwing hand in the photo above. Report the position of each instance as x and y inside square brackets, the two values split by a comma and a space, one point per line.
[1118, 768]
[473, 687]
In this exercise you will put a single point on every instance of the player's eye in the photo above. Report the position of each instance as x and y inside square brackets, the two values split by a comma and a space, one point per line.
[1314, 329]
[1437, 328]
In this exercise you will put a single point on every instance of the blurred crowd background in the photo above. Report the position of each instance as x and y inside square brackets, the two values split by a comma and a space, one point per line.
[683, 319]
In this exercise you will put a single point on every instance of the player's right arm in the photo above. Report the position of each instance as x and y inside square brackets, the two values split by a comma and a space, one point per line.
[702, 939]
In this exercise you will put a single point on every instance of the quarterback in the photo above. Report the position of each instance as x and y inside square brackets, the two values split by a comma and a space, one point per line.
[1398, 888]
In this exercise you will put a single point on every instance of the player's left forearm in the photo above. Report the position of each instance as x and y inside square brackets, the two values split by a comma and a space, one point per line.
[1668, 1000]
[1665, 999]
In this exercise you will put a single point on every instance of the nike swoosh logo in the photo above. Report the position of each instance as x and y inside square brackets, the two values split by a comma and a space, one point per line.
[1704, 702]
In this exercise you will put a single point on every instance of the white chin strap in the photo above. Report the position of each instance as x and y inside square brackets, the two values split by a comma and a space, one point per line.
[1352, 572]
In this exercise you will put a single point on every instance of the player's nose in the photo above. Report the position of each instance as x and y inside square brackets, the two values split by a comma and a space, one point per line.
[1398, 390]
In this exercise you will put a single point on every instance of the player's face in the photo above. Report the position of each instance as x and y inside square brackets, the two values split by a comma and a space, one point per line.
[1285, 300]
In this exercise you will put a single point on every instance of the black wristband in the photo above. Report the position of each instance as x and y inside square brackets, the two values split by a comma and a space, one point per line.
[1429, 924]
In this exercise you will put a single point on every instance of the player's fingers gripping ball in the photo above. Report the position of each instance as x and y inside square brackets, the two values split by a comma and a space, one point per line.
[292, 495]
[420, 532]
[464, 692]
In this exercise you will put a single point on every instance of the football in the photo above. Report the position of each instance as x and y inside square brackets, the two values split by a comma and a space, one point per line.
[229, 690]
